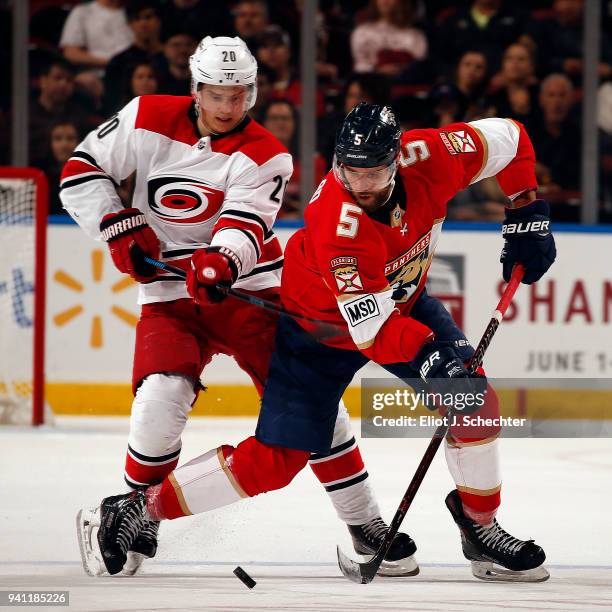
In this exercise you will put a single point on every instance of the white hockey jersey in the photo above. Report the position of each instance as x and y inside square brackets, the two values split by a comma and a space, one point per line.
[221, 190]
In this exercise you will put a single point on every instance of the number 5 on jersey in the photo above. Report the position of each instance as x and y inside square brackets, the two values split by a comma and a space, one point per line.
[349, 220]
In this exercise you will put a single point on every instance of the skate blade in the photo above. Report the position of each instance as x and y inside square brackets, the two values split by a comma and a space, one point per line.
[133, 563]
[486, 570]
[402, 567]
[88, 522]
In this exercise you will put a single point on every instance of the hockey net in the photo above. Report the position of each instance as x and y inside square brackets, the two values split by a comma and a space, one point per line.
[23, 229]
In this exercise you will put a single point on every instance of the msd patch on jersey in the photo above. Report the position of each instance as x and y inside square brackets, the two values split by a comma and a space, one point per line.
[458, 142]
[346, 274]
[361, 309]
[182, 200]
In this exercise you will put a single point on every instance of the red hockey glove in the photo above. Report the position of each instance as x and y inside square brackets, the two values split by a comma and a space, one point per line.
[210, 267]
[129, 239]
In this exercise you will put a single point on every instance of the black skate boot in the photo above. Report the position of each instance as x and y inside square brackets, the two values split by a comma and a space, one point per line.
[399, 561]
[494, 553]
[143, 547]
[122, 518]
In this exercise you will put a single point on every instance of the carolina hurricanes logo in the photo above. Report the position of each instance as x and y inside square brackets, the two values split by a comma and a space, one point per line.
[183, 200]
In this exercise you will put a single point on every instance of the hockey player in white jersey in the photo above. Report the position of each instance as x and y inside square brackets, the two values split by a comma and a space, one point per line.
[209, 184]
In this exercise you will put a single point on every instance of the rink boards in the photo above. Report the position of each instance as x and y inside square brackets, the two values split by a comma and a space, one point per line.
[558, 329]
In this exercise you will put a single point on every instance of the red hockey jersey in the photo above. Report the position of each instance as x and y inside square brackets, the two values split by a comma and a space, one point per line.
[364, 271]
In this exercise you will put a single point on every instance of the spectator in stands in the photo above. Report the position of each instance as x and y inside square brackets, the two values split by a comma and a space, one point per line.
[64, 137]
[281, 118]
[516, 86]
[140, 80]
[361, 87]
[250, 21]
[175, 78]
[92, 34]
[559, 39]
[387, 42]
[462, 98]
[265, 83]
[471, 74]
[274, 51]
[367, 87]
[490, 25]
[144, 21]
[556, 140]
[56, 101]
[204, 17]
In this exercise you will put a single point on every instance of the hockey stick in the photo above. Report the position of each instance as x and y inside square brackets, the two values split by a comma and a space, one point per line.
[323, 330]
[364, 573]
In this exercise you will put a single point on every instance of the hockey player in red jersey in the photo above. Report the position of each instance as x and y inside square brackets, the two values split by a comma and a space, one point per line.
[361, 263]
[209, 183]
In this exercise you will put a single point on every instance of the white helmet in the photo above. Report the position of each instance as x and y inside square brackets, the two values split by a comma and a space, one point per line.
[224, 61]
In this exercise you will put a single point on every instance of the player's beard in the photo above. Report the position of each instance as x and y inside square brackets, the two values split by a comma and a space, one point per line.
[372, 200]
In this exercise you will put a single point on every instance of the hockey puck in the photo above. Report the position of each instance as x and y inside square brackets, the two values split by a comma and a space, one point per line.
[244, 577]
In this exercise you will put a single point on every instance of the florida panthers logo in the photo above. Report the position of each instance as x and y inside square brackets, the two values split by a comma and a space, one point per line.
[405, 272]
[182, 200]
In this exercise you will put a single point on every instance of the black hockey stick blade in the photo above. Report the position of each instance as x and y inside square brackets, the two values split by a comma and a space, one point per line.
[362, 573]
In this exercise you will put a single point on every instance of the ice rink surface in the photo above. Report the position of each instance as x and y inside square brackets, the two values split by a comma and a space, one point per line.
[558, 492]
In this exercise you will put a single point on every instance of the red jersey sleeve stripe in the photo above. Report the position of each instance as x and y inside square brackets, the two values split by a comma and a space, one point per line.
[247, 216]
[73, 168]
[245, 225]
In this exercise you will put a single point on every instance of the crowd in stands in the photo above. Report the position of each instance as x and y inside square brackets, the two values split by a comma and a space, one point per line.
[436, 62]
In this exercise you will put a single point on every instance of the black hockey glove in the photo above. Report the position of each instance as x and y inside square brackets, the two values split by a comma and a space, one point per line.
[528, 241]
[443, 372]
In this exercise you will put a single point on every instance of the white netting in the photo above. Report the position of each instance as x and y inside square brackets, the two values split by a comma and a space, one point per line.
[17, 264]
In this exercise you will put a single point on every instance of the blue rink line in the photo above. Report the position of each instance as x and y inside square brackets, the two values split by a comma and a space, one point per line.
[288, 564]
[453, 226]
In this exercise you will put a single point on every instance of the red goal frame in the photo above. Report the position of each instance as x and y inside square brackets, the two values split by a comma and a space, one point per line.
[41, 194]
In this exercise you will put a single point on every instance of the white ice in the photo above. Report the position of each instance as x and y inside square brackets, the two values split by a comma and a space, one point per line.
[558, 492]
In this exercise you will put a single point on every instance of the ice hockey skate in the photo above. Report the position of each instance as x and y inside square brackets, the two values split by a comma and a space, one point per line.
[495, 554]
[143, 547]
[107, 533]
[400, 561]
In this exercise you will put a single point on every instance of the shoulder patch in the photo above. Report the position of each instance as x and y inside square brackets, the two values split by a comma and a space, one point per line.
[346, 274]
[458, 142]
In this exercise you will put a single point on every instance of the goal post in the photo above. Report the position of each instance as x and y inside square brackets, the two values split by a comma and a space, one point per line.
[24, 205]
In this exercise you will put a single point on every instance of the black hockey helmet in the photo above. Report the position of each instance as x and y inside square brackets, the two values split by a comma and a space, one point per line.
[369, 137]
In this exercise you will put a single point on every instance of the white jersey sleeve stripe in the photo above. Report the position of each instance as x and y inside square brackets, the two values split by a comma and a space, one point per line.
[242, 243]
[500, 138]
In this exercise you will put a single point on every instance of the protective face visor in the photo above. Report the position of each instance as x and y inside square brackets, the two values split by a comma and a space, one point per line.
[234, 99]
[361, 180]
